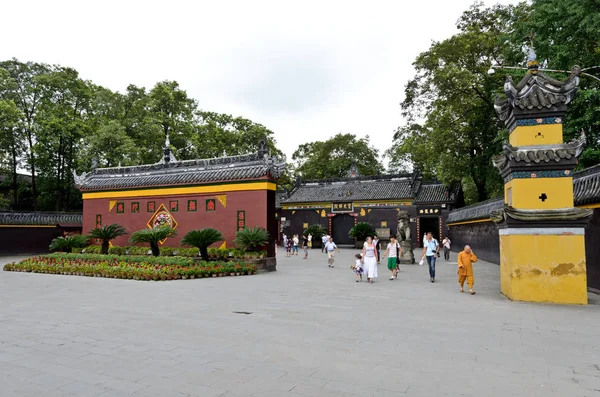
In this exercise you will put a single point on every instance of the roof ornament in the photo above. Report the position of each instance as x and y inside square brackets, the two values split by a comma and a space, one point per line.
[532, 63]
[353, 171]
[168, 155]
[94, 162]
[262, 147]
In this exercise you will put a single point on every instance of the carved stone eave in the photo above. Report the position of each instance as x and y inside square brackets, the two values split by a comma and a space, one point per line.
[79, 179]
[513, 217]
[542, 157]
[536, 95]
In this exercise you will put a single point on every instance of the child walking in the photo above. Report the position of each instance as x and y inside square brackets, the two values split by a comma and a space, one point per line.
[288, 247]
[357, 268]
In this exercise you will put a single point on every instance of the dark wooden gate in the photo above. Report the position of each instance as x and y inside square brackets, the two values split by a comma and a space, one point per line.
[341, 225]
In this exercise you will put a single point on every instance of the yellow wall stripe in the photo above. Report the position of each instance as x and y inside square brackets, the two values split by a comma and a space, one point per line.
[468, 222]
[234, 187]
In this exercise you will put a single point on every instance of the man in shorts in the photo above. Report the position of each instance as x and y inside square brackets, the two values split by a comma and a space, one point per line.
[393, 252]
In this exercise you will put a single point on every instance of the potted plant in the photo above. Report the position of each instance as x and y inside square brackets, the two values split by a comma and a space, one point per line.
[360, 232]
[317, 232]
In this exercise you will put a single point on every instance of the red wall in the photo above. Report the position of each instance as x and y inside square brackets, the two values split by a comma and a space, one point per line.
[224, 219]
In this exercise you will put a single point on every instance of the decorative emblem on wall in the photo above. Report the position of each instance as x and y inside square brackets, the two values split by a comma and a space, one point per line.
[111, 205]
[211, 205]
[162, 217]
[223, 199]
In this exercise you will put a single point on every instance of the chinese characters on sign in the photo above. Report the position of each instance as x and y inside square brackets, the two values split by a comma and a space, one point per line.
[210, 205]
[120, 208]
[150, 206]
[241, 220]
[342, 207]
[192, 205]
[98, 220]
[429, 211]
[135, 207]
[173, 206]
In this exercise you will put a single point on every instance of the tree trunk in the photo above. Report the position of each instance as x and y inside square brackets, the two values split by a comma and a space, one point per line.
[32, 165]
[204, 253]
[15, 186]
[155, 249]
[481, 192]
[105, 247]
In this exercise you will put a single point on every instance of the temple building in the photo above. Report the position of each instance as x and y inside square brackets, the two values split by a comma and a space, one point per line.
[341, 203]
[226, 193]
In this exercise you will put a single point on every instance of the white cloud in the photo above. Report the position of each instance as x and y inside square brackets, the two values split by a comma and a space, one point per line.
[307, 70]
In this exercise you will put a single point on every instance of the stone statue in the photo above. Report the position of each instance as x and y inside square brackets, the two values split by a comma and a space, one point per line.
[403, 236]
[403, 226]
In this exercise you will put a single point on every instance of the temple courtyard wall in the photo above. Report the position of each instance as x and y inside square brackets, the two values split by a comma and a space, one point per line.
[482, 235]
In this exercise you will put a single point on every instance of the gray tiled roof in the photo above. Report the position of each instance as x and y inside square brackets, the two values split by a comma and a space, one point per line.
[586, 186]
[352, 190]
[40, 218]
[435, 193]
[187, 172]
[476, 211]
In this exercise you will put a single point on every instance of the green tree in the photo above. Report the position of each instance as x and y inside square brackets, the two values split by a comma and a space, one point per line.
[173, 111]
[452, 130]
[334, 157]
[67, 243]
[22, 85]
[107, 233]
[202, 239]
[11, 142]
[566, 33]
[62, 123]
[218, 133]
[111, 146]
[153, 237]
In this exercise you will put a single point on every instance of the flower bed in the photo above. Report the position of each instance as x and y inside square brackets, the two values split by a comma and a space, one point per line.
[213, 253]
[129, 267]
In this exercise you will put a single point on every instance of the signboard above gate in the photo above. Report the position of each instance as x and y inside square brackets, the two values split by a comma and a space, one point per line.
[429, 211]
[342, 207]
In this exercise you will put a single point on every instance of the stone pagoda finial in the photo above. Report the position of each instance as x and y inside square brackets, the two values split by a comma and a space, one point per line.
[168, 155]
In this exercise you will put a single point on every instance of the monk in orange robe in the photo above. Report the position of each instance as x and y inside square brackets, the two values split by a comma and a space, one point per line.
[466, 258]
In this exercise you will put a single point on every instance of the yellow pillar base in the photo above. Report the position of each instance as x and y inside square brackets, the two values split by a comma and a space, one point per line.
[543, 265]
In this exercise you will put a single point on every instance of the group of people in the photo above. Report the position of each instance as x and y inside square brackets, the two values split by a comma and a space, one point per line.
[366, 262]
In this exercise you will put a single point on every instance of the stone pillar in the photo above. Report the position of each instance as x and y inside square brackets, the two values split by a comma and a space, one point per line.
[542, 247]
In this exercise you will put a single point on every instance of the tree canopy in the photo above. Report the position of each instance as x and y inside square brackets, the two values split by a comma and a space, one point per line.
[53, 122]
[334, 157]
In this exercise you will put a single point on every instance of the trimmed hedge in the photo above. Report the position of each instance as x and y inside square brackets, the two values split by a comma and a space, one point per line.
[129, 267]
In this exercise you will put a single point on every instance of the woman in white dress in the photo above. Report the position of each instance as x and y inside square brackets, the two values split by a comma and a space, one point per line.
[369, 255]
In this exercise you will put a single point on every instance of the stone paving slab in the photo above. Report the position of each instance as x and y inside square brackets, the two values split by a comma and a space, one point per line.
[312, 331]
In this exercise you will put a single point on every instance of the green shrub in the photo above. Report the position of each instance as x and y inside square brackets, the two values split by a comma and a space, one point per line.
[316, 231]
[188, 252]
[115, 250]
[92, 249]
[361, 231]
[252, 239]
[166, 251]
[67, 243]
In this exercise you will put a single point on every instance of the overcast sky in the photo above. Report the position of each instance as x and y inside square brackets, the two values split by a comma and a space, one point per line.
[306, 70]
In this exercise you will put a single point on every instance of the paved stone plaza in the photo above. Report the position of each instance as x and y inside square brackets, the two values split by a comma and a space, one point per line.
[312, 331]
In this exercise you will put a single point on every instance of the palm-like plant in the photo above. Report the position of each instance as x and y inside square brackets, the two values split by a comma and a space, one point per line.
[67, 243]
[361, 231]
[252, 239]
[153, 237]
[202, 239]
[107, 233]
